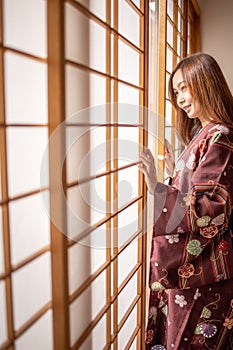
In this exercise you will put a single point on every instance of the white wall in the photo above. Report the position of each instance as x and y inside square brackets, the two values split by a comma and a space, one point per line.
[217, 32]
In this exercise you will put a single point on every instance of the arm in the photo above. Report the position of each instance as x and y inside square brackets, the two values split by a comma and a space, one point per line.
[206, 208]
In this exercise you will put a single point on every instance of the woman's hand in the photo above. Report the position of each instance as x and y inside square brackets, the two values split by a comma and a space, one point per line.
[147, 167]
[169, 158]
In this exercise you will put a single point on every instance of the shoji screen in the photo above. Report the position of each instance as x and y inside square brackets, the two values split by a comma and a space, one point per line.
[72, 246]
[25, 258]
[105, 84]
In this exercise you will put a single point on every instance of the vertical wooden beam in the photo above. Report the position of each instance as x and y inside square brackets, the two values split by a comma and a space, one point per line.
[115, 176]
[108, 177]
[5, 196]
[185, 33]
[197, 27]
[162, 81]
[143, 139]
[56, 115]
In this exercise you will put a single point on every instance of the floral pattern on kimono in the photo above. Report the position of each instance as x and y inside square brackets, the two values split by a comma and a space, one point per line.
[191, 265]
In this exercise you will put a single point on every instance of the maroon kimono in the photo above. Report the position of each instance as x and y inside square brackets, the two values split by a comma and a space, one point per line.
[191, 266]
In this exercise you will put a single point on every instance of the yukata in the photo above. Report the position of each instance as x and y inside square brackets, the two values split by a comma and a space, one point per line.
[191, 264]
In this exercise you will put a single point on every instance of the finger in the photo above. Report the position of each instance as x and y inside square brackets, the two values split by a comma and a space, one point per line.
[147, 158]
[143, 169]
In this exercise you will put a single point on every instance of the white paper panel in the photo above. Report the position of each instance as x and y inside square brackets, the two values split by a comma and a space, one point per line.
[169, 54]
[136, 2]
[99, 334]
[78, 212]
[127, 223]
[129, 255]
[86, 206]
[29, 224]
[86, 152]
[80, 307]
[134, 345]
[84, 90]
[97, 339]
[39, 336]
[127, 329]
[128, 146]
[128, 64]
[129, 23]
[1, 244]
[96, 239]
[87, 34]
[98, 288]
[168, 119]
[78, 149]
[170, 8]
[98, 199]
[89, 304]
[126, 297]
[128, 113]
[127, 188]
[25, 147]
[3, 319]
[96, 7]
[26, 90]
[169, 33]
[79, 262]
[31, 287]
[129, 95]
[25, 26]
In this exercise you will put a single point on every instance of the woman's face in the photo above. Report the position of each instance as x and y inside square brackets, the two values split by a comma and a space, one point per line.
[185, 99]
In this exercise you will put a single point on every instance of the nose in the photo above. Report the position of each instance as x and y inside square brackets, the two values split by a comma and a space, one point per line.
[180, 99]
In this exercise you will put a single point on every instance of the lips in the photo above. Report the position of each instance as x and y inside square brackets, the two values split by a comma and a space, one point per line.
[187, 108]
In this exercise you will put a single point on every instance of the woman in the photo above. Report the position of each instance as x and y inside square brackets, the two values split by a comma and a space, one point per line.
[191, 266]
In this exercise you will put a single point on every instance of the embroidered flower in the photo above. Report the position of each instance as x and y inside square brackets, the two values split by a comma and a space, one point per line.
[228, 323]
[189, 199]
[197, 294]
[186, 270]
[208, 330]
[222, 246]
[191, 162]
[180, 165]
[158, 347]
[224, 129]
[172, 238]
[180, 230]
[219, 220]
[180, 300]
[194, 247]
[152, 311]
[156, 286]
[149, 336]
[206, 313]
[209, 232]
[202, 145]
[203, 221]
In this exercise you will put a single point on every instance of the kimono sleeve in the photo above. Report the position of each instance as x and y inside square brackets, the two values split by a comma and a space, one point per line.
[206, 208]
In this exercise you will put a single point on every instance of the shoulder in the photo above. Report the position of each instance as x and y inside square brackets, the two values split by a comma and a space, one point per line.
[219, 134]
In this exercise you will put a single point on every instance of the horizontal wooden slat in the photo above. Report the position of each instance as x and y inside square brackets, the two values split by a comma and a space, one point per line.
[104, 75]
[97, 176]
[24, 54]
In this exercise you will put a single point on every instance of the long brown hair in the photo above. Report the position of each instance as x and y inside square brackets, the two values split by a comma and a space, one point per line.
[207, 83]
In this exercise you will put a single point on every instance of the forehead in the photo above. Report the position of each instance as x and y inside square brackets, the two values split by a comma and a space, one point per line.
[177, 79]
